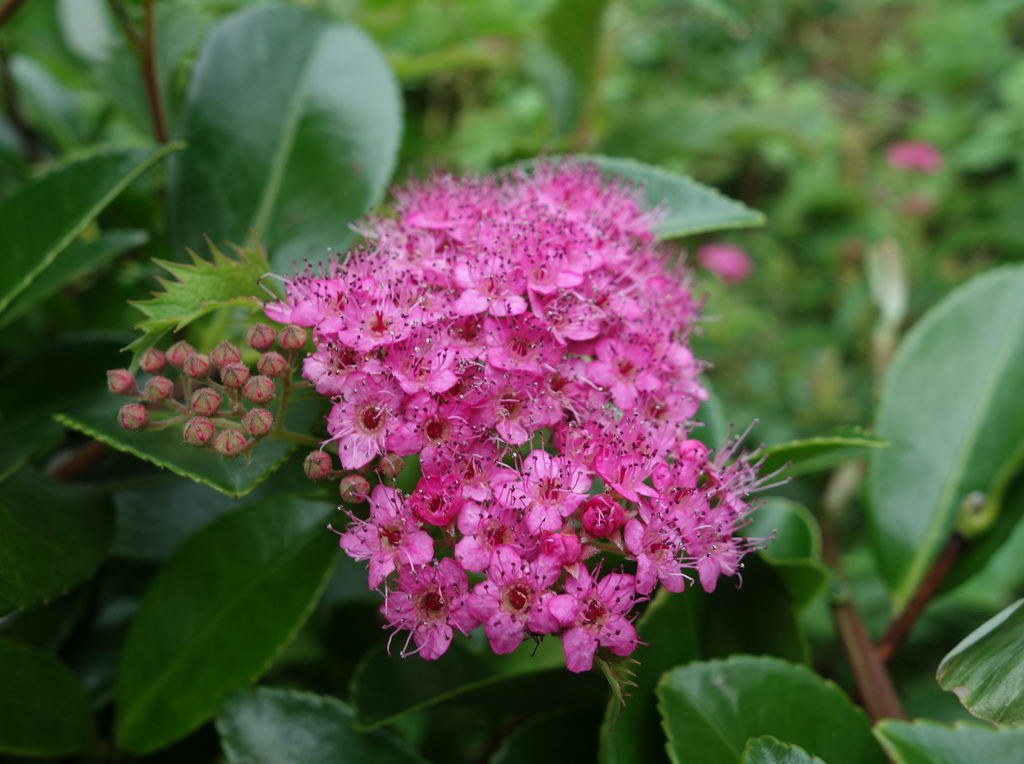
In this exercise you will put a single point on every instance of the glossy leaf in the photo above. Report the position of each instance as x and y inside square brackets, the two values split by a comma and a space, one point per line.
[44, 217]
[712, 709]
[691, 207]
[769, 750]
[758, 617]
[43, 709]
[965, 359]
[293, 125]
[986, 670]
[269, 726]
[799, 457]
[77, 260]
[52, 537]
[165, 448]
[219, 612]
[928, 742]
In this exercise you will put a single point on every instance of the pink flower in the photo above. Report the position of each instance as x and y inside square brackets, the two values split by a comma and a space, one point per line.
[594, 613]
[428, 602]
[919, 156]
[731, 264]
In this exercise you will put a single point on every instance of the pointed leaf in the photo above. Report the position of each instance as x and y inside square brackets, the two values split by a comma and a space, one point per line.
[218, 614]
[952, 410]
[44, 217]
[293, 126]
[269, 726]
[712, 709]
[43, 709]
[799, 457]
[52, 537]
[928, 742]
[692, 207]
[165, 448]
[769, 750]
[986, 670]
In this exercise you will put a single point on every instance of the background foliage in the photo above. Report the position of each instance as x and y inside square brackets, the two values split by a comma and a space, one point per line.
[142, 599]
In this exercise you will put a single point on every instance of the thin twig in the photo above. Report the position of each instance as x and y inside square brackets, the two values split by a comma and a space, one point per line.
[899, 628]
[147, 67]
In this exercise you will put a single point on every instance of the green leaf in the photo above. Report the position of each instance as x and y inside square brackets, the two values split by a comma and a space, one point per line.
[43, 709]
[691, 206]
[77, 260]
[795, 550]
[712, 709]
[269, 726]
[757, 617]
[928, 742]
[52, 537]
[986, 670]
[565, 735]
[573, 31]
[799, 457]
[769, 750]
[165, 448]
[220, 611]
[952, 410]
[293, 125]
[44, 217]
[200, 288]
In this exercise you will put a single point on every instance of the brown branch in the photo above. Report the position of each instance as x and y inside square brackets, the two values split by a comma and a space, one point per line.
[8, 8]
[144, 46]
[899, 628]
[80, 462]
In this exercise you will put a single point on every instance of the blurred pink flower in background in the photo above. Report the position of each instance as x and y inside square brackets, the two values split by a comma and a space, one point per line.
[919, 156]
[730, 263]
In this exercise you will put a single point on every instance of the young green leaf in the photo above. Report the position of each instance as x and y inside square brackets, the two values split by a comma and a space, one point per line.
[952, 410]
[220, 611]
[928, 742]
[986, 670]
[43, 709]
[769, 750]
[712, 709]
[800, 457]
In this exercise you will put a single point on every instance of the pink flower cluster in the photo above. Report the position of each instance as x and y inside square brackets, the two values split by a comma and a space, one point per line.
[527, 339]
[914, 156]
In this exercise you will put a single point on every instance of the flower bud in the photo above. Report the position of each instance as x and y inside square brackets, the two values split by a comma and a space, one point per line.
[152, 361]
[260, 390]
[602, 517]
[159, 389]
[258, 422]
[318, 465]
[260, 337]
[565, 547]
[292, 337]
[178, 352]
[121, 382]
[272, 364]
[391, 464]
[206, 401]
[234, 375]
[354, 489]
[229, 443]
[134, 416]
[224, 354]
[199, 431]
[196, 366]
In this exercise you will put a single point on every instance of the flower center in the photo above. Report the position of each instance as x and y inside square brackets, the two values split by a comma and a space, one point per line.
[518, 596]
[371, 418]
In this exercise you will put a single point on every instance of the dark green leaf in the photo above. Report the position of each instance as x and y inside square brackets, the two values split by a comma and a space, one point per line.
[77, 260]
[799, 457]
[165, 448]
[52, 536]
[43, 709]
[219, 612]
[794, 531]
[691, 206]
[293, 125]
[562, 736]
[986, 670]
[928, 742]
[769, 750]
[44, 217]
[266, 726]
[964, 359]
[47, 626]
[712, 709]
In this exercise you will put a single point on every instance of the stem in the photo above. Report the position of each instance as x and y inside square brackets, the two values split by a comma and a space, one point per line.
[144, 45]
[899, 628]
[7, 10]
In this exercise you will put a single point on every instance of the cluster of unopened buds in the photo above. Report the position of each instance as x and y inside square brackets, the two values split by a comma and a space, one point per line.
[215, 398]
[525, 339]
